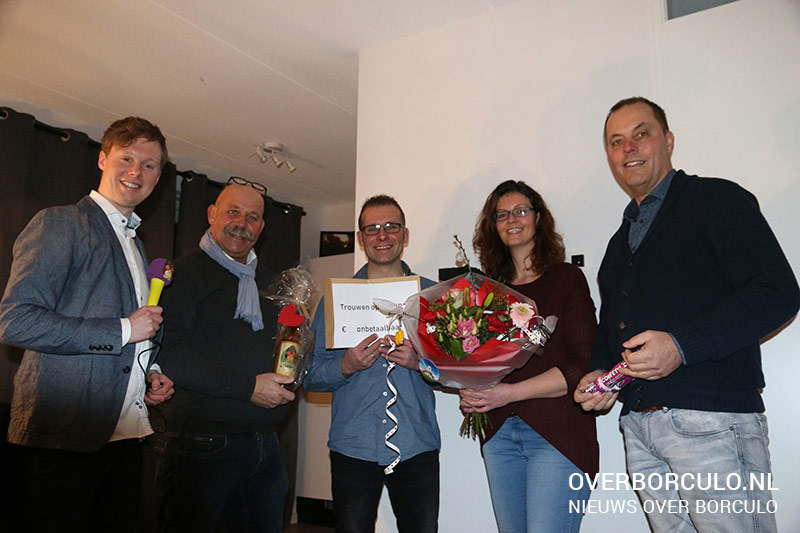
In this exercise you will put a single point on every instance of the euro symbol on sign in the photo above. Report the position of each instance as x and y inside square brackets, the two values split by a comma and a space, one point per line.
[344, 329]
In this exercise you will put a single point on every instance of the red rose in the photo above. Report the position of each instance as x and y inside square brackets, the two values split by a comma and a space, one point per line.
[495, 324]
[426, 316]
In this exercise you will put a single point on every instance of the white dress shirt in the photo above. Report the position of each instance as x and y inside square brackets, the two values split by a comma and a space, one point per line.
[133, 421]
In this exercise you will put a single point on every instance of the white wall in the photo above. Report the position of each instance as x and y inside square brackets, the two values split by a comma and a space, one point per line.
[522, 92]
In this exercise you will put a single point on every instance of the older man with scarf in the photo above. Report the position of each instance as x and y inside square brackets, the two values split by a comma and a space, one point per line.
[223, 461]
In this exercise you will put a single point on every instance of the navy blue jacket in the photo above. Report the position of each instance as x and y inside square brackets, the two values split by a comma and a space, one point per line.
[710, 272]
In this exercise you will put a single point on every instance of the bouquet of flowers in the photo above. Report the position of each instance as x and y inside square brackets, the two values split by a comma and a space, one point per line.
[470, 332]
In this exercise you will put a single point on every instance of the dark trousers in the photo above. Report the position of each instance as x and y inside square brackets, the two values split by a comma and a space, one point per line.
[230, 483]
[75, 491]
[413, 490]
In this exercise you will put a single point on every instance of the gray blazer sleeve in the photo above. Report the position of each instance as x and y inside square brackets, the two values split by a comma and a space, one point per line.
[64, 292]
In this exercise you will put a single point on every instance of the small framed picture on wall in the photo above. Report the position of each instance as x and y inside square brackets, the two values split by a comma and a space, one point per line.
[336, 242]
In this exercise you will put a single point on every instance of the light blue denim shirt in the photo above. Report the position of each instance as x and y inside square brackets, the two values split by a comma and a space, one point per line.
[358, 413]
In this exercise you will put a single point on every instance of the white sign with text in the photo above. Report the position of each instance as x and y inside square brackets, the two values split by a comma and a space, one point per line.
[350, 315]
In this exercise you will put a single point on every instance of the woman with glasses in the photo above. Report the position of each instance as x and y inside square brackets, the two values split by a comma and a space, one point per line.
[540, 443]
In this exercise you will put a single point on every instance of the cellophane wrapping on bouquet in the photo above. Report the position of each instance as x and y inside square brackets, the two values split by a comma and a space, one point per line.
[471, 331]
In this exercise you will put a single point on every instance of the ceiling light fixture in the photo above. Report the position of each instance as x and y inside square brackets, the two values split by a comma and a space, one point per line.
[275, 151]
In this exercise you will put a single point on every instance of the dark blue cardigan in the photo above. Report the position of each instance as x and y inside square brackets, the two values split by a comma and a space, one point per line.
[710, 272]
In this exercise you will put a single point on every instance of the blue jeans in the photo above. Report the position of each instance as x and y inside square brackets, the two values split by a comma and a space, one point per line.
[236, 480]
[529, 482]
[707, 455]
[413, 490]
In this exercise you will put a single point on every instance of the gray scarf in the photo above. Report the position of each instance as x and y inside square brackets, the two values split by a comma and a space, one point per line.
[247, 306]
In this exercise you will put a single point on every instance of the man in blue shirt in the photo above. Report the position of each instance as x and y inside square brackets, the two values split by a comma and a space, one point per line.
[690, 283]
[359, 423]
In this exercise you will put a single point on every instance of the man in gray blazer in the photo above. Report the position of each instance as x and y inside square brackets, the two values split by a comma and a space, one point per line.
[75, 301]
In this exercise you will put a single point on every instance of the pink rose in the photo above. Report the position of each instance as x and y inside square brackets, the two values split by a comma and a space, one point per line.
[466, 328]
[470, 344]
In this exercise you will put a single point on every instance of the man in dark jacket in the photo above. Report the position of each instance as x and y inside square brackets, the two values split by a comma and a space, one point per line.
[690, 283]
[223, 463]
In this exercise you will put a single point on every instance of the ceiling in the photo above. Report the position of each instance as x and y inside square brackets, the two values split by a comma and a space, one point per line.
[217, 76]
